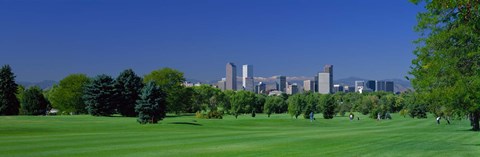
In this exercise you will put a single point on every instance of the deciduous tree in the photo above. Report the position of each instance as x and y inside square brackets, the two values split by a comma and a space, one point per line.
[240, 101]
[446, 69]
[170, 80]
[328, 106]
[67, 95]
[296, 105]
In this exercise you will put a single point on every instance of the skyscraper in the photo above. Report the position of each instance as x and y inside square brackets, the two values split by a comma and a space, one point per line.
[247, 78]
[389, 86]
[282, 83]
[380, 86]
[308, 86]
[329, 69]
[231, 77]
[315, 84]
[261, 88]
[324, 83]
[292, 89]
[325, 80]
[371, 84]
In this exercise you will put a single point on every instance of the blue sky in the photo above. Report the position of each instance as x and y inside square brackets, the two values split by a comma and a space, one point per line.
[50, 39]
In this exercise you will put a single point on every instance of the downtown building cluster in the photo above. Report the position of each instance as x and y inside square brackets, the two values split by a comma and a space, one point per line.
[374, 86]
[321, 83]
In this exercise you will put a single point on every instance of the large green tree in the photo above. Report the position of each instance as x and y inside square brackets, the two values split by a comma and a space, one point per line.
[446, 69]
[272, 104]
[151, 106]
[328, 106]
[33, 102]
[207, 98]
[240, 102]
[128, 85]
[170, 80]
[9, 104]
[100, 96]
[67, 95]
[296, 105]
[259, 103]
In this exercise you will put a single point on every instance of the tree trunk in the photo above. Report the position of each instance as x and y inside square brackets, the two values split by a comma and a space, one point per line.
[470, 115]
[475, 120]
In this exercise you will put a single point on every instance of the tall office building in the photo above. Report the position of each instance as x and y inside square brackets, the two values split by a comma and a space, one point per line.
[380, 86]
[315, 84]
[231, 77]
[324, 83]
[247, 78]
[325, 80]
[359, 85]
[389, 86]
[282, 83]
[261, 88]
[292, 89]
[371, 84]
[308, 86]
[329, 69]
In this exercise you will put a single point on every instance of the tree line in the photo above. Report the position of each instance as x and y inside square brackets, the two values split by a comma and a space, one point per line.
[161, 92]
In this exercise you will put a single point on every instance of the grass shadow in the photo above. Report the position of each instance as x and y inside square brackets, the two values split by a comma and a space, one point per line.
[476, 145]
[467, 130]
[180, 115]
[186, 123]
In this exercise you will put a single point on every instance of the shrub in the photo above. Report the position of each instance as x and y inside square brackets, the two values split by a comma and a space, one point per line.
[199, 115]
[209, 115]
[214, 115]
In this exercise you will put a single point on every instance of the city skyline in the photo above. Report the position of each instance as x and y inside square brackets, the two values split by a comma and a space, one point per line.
[322, 83]
[43, 42]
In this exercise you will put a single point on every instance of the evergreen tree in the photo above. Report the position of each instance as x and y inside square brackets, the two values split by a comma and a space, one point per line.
[33, 102]
[128, 85]
[151, 107]
[9, 104]
[100, 96]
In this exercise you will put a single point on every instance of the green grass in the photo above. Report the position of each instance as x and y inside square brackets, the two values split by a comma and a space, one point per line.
[279, 135]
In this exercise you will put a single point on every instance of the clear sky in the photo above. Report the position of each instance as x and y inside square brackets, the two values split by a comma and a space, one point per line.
[49, 39]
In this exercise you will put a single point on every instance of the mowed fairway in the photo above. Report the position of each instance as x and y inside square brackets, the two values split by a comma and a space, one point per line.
[279, 135]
